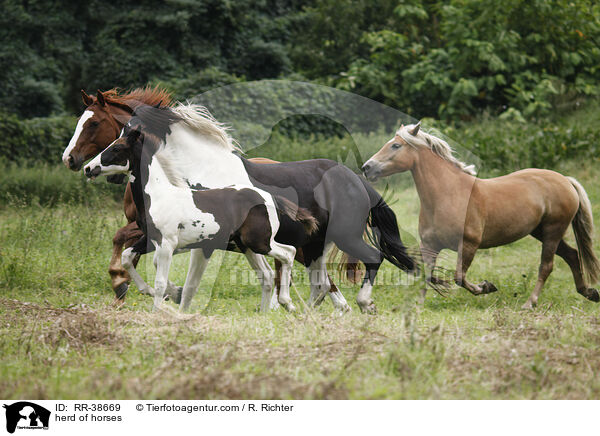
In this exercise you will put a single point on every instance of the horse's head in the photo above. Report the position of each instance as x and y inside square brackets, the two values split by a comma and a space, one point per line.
[99, 125]
[396, 156]
[119, 157]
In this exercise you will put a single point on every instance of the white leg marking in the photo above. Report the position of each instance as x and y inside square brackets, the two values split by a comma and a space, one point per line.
[285, 254]
[162, 258]
[364, 297]
[198, 264]
[265, 276]
[127, 262]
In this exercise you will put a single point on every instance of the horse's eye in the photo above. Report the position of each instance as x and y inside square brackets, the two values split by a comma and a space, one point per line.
[94, 123]
[396, 146]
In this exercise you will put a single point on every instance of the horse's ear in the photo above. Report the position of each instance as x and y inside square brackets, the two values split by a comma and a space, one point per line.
[100, 98]
[416, 129]
[87, 99]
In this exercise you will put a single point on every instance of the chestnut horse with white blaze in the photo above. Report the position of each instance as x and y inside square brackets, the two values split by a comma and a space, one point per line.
[463, 213]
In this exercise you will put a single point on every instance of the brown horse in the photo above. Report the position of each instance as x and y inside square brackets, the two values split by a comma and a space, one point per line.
[101, 124]
[463, 213]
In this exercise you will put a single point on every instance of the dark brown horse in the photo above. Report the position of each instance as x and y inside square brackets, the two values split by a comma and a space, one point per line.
[99, 125]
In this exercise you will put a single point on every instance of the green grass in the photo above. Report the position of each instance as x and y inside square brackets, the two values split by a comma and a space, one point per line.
[60, 337]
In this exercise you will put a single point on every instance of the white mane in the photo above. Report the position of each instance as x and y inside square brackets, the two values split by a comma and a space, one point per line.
[435, 144]
[199, 118]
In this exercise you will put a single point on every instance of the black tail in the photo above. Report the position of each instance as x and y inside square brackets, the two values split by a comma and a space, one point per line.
[383, 232]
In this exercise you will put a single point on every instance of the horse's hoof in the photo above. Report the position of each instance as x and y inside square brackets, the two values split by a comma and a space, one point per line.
[121, 291]
[529, 305]
[590, 293]
[488, 288]
[177, 297]
[369, 309]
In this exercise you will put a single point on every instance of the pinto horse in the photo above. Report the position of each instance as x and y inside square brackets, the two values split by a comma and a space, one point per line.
[101, 123]
[202, 154]
[182, 216]
[463, 213]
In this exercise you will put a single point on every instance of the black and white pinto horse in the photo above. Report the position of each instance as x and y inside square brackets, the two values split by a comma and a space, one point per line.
[200, 153]
[180, 216]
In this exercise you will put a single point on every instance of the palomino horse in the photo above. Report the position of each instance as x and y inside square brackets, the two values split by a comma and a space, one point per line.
[202, 154]
[463, 213]
[101, 123]
[183, 216]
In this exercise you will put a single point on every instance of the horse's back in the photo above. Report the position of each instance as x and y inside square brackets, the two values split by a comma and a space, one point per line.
[517, 203]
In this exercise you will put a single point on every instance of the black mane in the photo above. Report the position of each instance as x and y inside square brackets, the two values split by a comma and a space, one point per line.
[153, 120]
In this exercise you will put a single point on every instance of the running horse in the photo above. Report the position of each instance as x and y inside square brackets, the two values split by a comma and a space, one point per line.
[100, 125]
[181, 215]
[202, 154]
[463, 213]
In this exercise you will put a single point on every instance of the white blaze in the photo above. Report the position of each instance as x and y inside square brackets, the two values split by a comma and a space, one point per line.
[86, 116]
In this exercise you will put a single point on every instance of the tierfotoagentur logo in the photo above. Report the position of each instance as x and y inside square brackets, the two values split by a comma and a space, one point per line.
[24, 415]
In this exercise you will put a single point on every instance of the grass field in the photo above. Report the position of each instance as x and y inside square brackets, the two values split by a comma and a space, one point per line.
[61, 338]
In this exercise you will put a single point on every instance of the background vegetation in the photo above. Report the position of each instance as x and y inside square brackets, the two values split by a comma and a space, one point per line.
[450, 60]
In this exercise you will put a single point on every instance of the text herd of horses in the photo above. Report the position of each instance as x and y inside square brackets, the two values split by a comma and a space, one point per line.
[190, 187]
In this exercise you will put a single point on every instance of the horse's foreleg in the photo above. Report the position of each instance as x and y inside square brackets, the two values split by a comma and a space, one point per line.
[125, 237]
[162, 260]
[466, 253]
[429, 258]
[129, 259]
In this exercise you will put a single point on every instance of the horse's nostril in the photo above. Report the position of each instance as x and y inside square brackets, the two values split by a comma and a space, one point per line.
[366, 167]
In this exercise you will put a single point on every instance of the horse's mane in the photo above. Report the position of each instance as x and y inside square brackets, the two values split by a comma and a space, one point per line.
[151, 96]
[435, 144]
[200, 119]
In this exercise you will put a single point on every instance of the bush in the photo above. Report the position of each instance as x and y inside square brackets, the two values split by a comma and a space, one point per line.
[37, 139]
[48, 185]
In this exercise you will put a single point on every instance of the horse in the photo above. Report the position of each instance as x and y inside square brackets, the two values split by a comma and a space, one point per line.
[344, 204]
[101, 124]
[184, 216]
[463, 213]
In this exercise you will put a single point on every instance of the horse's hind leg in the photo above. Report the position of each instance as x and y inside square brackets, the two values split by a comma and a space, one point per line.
[549, 247]
[372, 259]
[265, 277]
[198, 263]
[320, 281]
[571, 256]
[285, 254]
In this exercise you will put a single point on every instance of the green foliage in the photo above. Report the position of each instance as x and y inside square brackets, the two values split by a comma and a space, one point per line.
[48, 185]
[452, 59]
[39, 139]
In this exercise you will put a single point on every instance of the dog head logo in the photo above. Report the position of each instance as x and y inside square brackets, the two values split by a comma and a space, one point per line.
[26, 415]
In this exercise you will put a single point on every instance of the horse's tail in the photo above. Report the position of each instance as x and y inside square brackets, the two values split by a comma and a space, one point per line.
[350, 264]
[383, 232]
[583, 227]
[296, 213]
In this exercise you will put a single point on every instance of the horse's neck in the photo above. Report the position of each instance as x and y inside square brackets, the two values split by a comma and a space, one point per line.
[438, 181]
[199, 160]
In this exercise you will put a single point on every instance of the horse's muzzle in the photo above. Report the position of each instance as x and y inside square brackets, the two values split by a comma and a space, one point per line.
[92, 173]
[369, 172]
[73, 164]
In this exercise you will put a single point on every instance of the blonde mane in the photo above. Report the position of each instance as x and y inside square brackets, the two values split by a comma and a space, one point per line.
[200, 119]
[435, 144]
